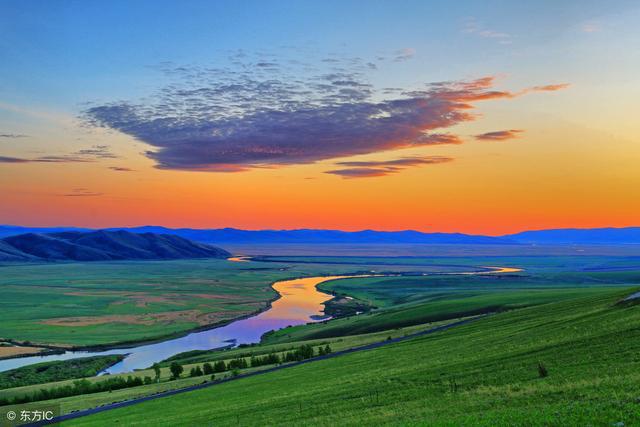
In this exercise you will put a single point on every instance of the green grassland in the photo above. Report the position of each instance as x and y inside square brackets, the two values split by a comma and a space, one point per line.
[88, 304]
[460, 376]
[190, 360]
[483, 373]
[105, 303]
[409, 300]
[152, 294]
[445, 307]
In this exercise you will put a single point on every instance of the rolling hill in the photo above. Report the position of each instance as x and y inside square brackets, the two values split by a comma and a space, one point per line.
[568, 236]
[305, 236]
[103, 245]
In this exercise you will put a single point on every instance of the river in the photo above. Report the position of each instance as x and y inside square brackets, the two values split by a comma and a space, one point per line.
[300, 302]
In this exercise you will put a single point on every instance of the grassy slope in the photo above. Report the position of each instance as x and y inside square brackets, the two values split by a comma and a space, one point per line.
[192, 359]
[442, 306]
[589, 346]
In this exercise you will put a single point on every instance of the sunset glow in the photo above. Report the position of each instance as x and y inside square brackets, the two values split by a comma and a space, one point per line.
[456, 120]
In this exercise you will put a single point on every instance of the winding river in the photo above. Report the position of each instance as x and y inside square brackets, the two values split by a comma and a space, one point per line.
[300, 302]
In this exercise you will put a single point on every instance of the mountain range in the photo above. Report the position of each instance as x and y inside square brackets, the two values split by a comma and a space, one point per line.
[103, 245]
[594, 236]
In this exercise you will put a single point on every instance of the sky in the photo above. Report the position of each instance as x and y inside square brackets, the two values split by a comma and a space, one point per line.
[484, 117]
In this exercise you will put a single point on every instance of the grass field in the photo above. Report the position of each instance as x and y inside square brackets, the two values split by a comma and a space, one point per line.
[408, 300]
[98, 303]
[455, 377]
[102, 303]
[188, 361]
[483, 373]
[86, 304]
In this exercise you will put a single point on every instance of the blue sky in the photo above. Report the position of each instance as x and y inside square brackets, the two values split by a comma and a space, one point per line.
[105, 50]
[115, 102]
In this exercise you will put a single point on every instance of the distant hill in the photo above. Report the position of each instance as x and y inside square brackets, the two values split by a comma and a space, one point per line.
[103, 245]
[596, 236]
[586, 236]
[307, 236]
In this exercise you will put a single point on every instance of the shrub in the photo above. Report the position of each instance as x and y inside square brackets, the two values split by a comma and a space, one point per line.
[542, 370]
[207, 368]
[176, 369]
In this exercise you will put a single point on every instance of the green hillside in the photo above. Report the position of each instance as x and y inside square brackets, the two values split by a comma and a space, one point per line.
[490, 372]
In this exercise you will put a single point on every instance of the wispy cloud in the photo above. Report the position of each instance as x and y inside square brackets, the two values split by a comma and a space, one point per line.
[369, 169]
[590, 27]
[120, 169]
[229, 121]
[472, 26]
[5, 159]
[81, 192]
[549, 88]
[97, 151]
[404, 54]
[13, 135]
[45, 159]
[499, 135]
[87, 155]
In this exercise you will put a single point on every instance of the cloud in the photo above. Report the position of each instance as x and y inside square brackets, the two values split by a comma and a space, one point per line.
[369, 169]
[120, 169]
[499, 135]
[87, 155]
[472, 26]
[590, 27]
[549, 88]
[81, 192]
[221, 121]
[97, 151]
[45, 159]
[404, 54]
[13, 135]
[359, 172]
[61, 159]
[4, 159]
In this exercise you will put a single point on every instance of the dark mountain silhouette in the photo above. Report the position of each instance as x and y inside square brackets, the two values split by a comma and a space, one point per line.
[103, 245]
[580, 236]
[307, 236]
[596, 236]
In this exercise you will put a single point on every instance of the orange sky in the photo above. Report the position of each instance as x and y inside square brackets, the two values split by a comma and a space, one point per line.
[555, 95]
[555, 174]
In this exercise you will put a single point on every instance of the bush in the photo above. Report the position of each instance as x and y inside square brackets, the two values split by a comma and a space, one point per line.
[542, 370]
[270, 359]
[207, 368]
[196, 372]
[176, 369]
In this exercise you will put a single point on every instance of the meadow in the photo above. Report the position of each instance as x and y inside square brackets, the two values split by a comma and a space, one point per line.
[572, 362]
[530, 322]
[107, 303]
